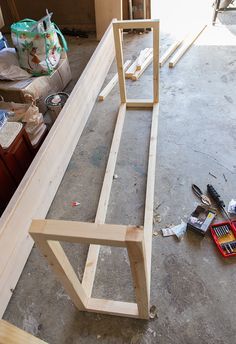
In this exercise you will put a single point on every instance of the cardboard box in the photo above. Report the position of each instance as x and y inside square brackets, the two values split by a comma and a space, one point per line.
[38, 87]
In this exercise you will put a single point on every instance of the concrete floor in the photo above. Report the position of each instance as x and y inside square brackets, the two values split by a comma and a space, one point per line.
[192, 287]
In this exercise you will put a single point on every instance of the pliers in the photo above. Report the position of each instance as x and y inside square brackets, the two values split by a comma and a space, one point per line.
[199, 194]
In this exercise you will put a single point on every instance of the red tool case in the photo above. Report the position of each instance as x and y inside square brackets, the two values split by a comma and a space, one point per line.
[226, 243]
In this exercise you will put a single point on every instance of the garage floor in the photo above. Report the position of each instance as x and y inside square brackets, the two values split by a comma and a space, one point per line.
[192, 287]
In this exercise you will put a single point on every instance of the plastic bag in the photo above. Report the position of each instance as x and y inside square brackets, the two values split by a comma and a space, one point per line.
[37, 45]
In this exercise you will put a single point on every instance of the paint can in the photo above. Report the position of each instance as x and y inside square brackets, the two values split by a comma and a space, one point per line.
[55, 103]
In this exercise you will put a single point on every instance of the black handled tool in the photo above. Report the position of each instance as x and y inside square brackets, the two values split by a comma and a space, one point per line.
[216, 197]
[199, 194]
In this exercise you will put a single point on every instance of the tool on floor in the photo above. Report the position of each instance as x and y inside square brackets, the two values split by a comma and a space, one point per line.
[201, 219]
[204, 199]
[224, 235]
[216, 197]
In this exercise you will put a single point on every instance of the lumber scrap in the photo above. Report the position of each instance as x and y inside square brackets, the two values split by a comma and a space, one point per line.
[137, 64]
[36, 191]
[107, 89]
[144, 66]
[169, 52]
[10, 334]
[142, 57]
[188, 42]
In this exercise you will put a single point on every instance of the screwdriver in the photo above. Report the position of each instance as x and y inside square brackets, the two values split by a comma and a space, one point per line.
[216, 197]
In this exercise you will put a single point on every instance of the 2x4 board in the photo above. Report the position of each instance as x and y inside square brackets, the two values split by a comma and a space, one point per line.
[137, 240]
[37, 189]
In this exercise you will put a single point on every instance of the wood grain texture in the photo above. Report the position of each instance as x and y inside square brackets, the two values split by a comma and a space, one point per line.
[188, 42]
[10, 334]
[112, 307]
[149, 200]
[169, 52]
[119, 62]
[105, 11]
[144, 66]
[15, 243]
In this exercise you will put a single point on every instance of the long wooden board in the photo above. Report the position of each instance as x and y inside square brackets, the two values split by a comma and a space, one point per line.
[10, 334]
[188, 42]
[34, 195]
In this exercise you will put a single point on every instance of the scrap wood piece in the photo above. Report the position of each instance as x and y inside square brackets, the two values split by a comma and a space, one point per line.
[10, 334]
[144, 66]
[131, 70]
[112, 82]
[188, 42]
[169, 52]
[142, 57]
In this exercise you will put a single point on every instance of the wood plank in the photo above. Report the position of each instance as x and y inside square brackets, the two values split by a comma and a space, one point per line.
[139, 103]
[138, 265]
[105, 11]
[92, 258]
[169, 52]
[188, 42]
[131, 70]
[149, 200]
[136, 24]
[125, 309]
[15, 243]
[142, 57]
[112, 82]
[144, 66]
[10, 334]
[136, 65]
[119, 62]
[156, 69]
[80, 232]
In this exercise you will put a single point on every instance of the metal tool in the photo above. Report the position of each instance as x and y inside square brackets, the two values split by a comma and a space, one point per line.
[229, 247]
[199, 194]
[219, 202]
[221, 230]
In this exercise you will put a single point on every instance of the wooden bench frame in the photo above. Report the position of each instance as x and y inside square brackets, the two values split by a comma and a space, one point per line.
[137, 240]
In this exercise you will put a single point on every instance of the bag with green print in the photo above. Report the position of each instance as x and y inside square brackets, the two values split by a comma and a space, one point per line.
[37, 45]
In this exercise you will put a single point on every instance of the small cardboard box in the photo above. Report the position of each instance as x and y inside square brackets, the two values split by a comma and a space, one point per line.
[38, 87]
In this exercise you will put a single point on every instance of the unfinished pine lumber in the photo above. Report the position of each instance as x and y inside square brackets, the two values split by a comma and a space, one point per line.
[10, 334]
[169, 52]
[138, 63]
[112, 82]
[47, 234]
[188, 42]
[144, 66]
[36, 191]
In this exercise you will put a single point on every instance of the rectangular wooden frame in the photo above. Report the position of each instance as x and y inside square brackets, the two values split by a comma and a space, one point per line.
[137, 241]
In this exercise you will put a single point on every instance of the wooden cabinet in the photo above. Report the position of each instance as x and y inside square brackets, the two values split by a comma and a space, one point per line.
[14, 162]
